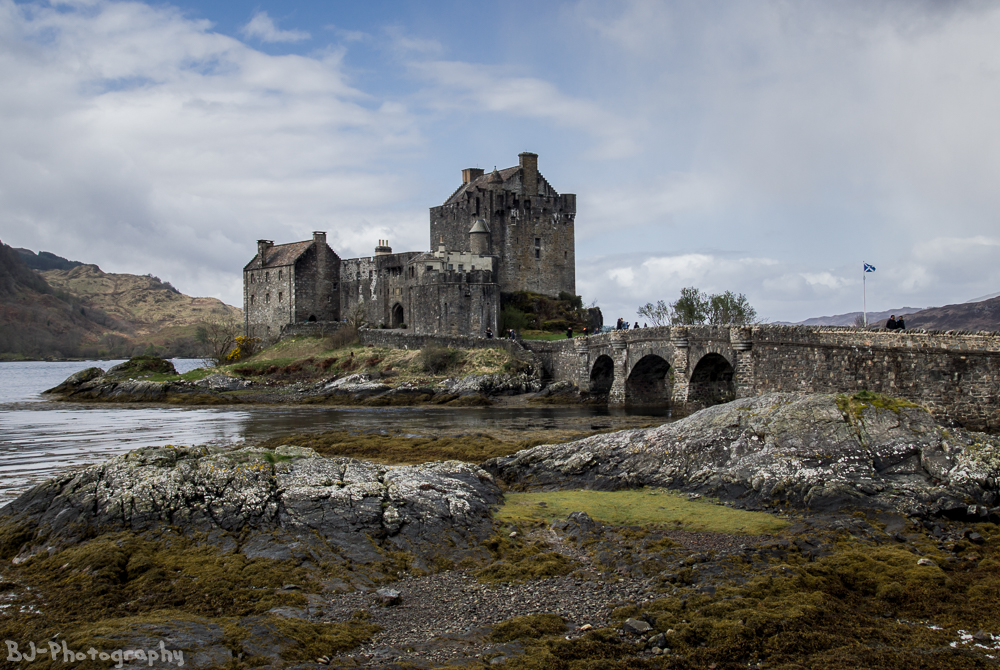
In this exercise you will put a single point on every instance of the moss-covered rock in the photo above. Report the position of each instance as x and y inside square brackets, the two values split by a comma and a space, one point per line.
[815, 451]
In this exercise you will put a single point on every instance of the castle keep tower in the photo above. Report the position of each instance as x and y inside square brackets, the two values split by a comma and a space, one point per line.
[528, 226]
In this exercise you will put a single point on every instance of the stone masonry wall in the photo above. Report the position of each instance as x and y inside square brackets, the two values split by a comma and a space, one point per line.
[956, 375]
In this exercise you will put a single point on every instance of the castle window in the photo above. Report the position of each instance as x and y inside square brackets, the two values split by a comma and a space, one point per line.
[279, 277]
[358, 277]
[251, 300]
[430, 268]
[334, 286]
[267, 276]
[538, 247]
[460, 268]
[267, 297]
[251, 278]
[280, 295]
[472, 269]
[450, 266]
[369, 274]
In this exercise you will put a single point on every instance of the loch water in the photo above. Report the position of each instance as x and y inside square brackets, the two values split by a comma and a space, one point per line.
[41, 437]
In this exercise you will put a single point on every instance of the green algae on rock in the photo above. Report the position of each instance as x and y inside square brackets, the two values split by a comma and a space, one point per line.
[783, 448]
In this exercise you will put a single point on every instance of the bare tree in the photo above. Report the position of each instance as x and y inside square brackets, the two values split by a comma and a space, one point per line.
[219, 338]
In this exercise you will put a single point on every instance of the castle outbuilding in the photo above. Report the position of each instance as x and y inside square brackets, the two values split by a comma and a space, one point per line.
[498, 233]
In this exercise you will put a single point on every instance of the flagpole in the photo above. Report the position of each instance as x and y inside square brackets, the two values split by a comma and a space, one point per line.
[864, 292]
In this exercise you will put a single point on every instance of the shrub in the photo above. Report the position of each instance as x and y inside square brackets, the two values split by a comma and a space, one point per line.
[345, 335]
[435, 359]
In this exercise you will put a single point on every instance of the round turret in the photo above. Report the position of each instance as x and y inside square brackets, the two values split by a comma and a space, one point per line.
[479, 237]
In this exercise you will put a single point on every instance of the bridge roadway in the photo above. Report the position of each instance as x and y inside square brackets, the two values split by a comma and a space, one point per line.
[954, 374]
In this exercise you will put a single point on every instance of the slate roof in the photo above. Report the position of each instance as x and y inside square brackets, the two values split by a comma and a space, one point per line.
[280, 255]
[483, 181]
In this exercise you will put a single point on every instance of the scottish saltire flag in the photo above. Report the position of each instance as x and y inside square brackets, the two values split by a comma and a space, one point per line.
[869, 268]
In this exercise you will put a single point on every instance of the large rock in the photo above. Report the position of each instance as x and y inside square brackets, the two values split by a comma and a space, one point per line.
[799, 449]
[494, 384]
[286, 503]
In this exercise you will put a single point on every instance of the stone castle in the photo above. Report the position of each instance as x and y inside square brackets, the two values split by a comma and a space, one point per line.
[498, 233]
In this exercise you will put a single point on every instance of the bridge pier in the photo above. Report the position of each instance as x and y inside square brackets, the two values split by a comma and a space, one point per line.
[619, 349]
[743, 367]
[680, 365]
[582, 345]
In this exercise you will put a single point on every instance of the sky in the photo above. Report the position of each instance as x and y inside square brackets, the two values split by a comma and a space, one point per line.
[768, 148]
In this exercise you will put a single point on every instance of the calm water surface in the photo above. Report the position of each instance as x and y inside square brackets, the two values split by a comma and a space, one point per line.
[41, 437]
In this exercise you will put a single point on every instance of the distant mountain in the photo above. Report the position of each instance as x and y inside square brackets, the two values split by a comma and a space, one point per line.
[84, 312]
[36, 320]
[154, 309]
[975, 316]
[849, 318]
[44, 260]
[984, 297]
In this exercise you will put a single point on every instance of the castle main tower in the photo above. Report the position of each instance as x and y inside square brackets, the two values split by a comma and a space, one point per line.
[529, 226]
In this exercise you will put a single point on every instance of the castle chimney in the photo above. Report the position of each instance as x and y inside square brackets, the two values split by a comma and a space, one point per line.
[529, 170]
[383, 248]
[262, 248]
[319, 236]
[470, 174]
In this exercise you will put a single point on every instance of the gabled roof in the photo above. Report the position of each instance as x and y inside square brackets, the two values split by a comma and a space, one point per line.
[490, 178]
[280, 255]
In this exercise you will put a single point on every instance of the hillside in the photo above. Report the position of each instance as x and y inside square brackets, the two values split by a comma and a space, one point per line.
[45, 260]
[849, 318]
[85, 312]
[154, 310]
[36, 320]
[975, 316]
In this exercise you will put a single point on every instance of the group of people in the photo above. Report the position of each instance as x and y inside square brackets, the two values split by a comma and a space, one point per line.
[623, 325]
[895, 324]
[511, 334]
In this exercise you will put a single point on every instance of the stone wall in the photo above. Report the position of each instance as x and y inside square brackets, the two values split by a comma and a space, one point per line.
[956, 375]
[268, 296]
[378, 284]
[316, 295]
[311, 329]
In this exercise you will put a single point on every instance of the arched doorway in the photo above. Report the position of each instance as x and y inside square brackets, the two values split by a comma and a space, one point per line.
[712, 381]
[649, 382]
[397, 316]
[602, 375]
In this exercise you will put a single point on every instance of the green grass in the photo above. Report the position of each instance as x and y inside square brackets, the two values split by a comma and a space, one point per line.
[546, 335]
[190, 376]
[638, 507]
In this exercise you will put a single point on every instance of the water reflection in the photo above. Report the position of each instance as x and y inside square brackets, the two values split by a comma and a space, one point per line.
[39, 438]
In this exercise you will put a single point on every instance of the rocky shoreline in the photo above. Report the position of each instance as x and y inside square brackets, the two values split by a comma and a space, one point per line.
[126, 383]
[281, 557]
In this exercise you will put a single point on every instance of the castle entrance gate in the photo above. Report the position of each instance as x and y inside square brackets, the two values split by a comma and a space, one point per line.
[397, 316]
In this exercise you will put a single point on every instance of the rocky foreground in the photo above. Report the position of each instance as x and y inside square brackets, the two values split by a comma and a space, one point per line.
[281, 557]
[819, 452]
[289, 503]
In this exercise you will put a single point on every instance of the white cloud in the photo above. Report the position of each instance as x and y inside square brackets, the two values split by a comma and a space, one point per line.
[483, 89]
[262, 27]
[139, 139]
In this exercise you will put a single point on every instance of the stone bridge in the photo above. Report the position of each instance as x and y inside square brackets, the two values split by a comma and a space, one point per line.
[955, 374]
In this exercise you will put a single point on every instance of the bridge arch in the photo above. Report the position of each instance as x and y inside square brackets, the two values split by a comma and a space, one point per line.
[712, 381]
[649, 381]
[397, 316]
[602, 375]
